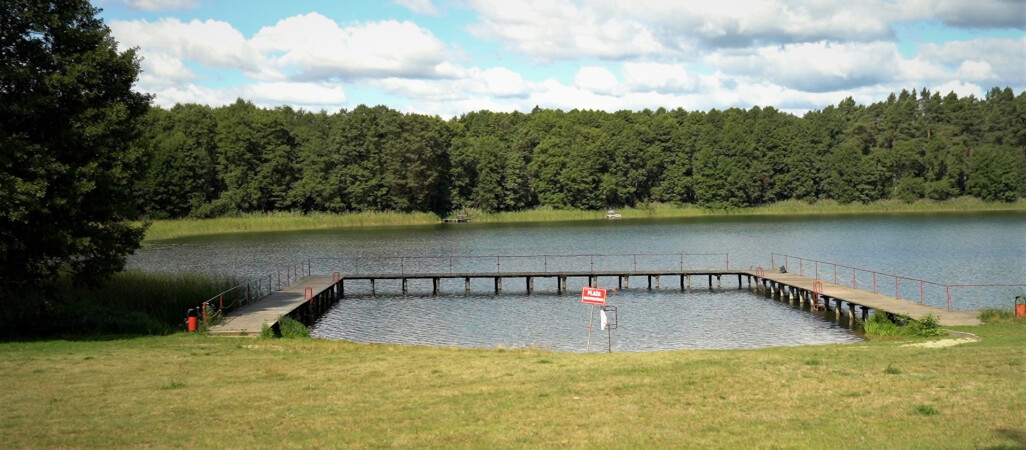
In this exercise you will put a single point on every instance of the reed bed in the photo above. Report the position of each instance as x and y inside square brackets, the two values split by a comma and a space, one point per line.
[130, 302]
[167, 229]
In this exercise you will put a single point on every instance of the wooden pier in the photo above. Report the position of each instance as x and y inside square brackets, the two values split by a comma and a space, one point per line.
[313, 295]
[836, 297]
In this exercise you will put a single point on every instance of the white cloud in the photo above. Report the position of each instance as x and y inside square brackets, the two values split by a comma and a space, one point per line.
[658, 77]
[161, 5]
[278, 93]
[815, 67]
[163, 70]
[976, 13]
[210, 43]
[419, 6]
[498, 82]
[1006, 59]
[318, 49]
[598, 80]
[549, 30]
[960, 88]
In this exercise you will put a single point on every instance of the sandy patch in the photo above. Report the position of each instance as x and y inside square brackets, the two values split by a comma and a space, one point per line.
[942, 343]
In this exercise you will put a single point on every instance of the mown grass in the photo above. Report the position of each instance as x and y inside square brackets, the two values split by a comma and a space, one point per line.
[131, 302]
[198, 391]
[166, 229]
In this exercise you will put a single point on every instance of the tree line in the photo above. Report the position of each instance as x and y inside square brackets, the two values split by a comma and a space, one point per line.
[203, 162]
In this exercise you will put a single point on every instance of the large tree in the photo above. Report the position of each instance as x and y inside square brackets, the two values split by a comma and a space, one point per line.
[68, 119]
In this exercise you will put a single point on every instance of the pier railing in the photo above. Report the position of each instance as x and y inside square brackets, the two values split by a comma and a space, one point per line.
[899, 286]
[500, 264]
[245, 293]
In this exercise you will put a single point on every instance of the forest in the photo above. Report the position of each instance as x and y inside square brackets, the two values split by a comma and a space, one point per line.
[198, 161]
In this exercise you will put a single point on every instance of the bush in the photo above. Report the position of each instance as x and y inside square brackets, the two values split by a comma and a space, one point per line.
[880, 325]
[287, 327]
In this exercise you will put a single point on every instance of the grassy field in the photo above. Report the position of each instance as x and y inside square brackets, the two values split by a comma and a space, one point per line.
[197, 391]
[166, 229]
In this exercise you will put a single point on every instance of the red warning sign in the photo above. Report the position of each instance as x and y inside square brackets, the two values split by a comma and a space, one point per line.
[595, 296]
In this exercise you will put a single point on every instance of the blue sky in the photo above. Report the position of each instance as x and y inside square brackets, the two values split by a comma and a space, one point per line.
[449, 57]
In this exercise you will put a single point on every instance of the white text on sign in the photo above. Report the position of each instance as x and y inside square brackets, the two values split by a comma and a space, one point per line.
[595, 296]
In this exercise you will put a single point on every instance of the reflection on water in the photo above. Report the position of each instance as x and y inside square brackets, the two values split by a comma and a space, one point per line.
[648, 320]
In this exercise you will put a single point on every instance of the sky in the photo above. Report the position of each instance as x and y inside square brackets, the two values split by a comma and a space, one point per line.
[450, 57]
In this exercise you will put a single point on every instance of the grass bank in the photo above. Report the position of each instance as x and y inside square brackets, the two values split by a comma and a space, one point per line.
[166, 229]
[197, 391]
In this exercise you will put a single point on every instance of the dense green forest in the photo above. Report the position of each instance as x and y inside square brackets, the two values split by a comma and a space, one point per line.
[204, 162]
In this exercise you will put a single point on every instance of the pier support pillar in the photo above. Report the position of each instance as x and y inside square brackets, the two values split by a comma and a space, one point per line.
[851, 314]
[865, 313]
[739, 285]
[406, 288]
[498, 285]
[710, 281]
[626, 282]
[373, 291]
[342, 288]
[837, 310]
[560, 285]
[682, 282]
[719, 281]
[619, 281]
[656, 279]
[530, 285]
[466, 285]
[436, 286]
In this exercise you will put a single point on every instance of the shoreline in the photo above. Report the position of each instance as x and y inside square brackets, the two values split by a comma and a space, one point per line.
[285, 221]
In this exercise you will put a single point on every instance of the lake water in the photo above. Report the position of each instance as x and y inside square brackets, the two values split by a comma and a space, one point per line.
[947, 248]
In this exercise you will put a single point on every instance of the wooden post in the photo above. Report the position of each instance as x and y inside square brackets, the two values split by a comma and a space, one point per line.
[710, 281]
[530, 285]
[626, 282]
[865, 313]
[650, 282]
[373, 292]
[619, 282]
[406, 287]
[681, 282]
[851, 313]
[466, 285]
[436, 285]
[657, 282]
[719, 281]
[498, 285]
[837, 310]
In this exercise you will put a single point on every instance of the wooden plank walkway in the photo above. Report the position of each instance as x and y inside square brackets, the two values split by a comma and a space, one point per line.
[250, 319]
[876, 301]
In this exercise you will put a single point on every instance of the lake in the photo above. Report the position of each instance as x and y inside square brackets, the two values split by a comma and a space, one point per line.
[948, 248]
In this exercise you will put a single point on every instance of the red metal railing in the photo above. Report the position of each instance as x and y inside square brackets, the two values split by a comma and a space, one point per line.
[238, 296]
[866, 279]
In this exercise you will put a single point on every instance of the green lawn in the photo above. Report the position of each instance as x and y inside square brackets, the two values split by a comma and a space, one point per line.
[192, 390]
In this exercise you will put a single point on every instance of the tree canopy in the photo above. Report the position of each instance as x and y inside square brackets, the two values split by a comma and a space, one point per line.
[68, 124]
[239, 158]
